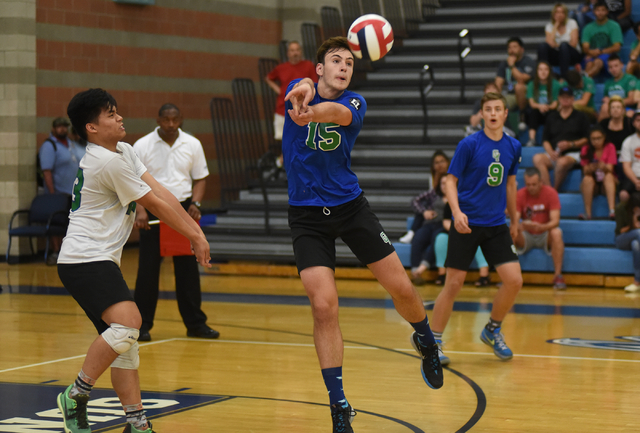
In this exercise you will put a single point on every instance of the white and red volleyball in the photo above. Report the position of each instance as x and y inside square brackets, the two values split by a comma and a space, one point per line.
[370, 37]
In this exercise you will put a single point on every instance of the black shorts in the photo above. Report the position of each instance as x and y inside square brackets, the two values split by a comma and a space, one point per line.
[95, 286]
[627, 185]
[314, 230]
[496, 243]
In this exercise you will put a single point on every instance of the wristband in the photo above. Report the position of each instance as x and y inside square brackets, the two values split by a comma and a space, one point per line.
[196, 204]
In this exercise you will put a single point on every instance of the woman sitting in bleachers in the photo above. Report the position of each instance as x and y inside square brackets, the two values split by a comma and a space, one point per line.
[628, 235]
[617, 126]
[439, 167]
[542, 94]
[562, 40]
[431, 205]
[598, 162]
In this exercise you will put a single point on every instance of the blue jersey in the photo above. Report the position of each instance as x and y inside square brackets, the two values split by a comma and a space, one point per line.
[482, 166]
[317, 156]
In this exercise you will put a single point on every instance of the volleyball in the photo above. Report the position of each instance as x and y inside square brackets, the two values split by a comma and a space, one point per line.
[370, 37]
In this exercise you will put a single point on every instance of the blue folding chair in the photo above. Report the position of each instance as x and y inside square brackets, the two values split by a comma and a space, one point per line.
[48, 216]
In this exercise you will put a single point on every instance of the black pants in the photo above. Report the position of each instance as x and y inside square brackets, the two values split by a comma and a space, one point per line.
[564, 56]
[187, 277]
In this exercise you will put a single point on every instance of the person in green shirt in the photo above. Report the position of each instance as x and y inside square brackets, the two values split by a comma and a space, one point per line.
[542, 94]
[621, 84]
[633, 67]
[600, 39]
[583, 90]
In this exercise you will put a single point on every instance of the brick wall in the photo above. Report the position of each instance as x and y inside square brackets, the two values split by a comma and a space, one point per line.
[175, 51]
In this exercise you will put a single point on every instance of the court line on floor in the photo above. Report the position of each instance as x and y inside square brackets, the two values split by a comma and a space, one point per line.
[273, 343]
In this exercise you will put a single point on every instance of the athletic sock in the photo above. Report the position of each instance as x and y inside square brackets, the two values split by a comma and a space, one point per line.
[425, 336]
[82, 385]
[333, 381]
[493, 325]
[136, 416]
[437, 336]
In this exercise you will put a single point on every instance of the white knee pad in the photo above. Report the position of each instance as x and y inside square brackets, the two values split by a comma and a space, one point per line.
[130, 360]
[121, 338]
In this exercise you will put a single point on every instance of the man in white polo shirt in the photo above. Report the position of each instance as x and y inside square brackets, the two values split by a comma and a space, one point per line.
[176, 159]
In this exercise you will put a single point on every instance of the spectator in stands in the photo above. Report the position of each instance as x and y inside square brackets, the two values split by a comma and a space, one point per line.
[441, 247]
[630, 159]
[513, 75]
[542, 93]
[628, 234]
[439, 167]
[565, 132]
[584, 14]
[475, 121]
[539, 209]
[280, 77]
[633, 67]
[583, 88]
[621, 84]
[598, 159]
[617, 126]
[562, 40]
[620, 12]
[59, 160]
[431, 205]
[600, 39]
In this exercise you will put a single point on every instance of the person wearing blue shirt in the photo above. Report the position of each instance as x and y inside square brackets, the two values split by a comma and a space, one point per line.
[480, 185]
[59, 160]
[322, 123]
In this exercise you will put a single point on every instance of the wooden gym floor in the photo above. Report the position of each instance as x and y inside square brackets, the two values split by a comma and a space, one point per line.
[263, 376]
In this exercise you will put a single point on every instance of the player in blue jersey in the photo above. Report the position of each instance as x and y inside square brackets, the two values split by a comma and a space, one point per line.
[321, 125]
[481, 183]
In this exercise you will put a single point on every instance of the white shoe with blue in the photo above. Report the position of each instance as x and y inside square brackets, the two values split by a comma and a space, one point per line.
[444, 359]
[495, 340]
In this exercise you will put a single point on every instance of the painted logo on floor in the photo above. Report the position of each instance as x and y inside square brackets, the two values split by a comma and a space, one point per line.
[33, 408]
[629, 344]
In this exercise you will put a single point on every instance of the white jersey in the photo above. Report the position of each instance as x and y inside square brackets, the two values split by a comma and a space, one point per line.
[103, 209]
[175, 167]
[630, 152]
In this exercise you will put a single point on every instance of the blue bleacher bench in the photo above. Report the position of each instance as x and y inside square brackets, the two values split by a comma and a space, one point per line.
[589, 247]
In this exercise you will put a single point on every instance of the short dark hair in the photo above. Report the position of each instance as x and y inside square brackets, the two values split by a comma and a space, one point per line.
[332, 44]
[573, 78]
[167, 106]
[515, 39]
[532, 171]
[613, 57]
[491, 96]
[85, 107]
[600, 3]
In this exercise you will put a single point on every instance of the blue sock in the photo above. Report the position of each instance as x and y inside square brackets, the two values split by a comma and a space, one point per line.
[333, 381]
[425, 336]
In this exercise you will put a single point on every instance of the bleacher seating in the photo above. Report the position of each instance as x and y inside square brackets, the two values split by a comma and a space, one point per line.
[589, 245]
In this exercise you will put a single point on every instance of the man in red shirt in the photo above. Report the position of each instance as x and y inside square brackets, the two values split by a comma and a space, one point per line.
[539, 208]
[282, 75]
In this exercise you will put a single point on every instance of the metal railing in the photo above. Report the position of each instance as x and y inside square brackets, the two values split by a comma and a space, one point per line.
[464, 48]
[425, 89]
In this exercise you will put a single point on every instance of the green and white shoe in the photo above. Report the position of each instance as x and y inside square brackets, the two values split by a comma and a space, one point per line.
[74, 412]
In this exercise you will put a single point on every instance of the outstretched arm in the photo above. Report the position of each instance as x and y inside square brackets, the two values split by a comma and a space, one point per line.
[301, 94]
[164, 204]
[325, 112]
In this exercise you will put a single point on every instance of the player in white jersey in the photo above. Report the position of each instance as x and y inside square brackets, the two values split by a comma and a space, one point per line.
[110, 181]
